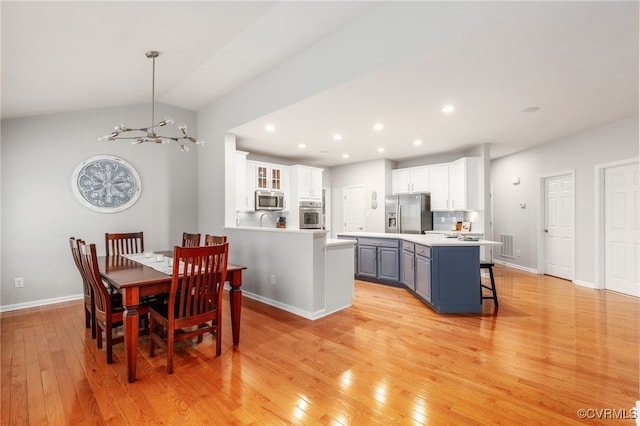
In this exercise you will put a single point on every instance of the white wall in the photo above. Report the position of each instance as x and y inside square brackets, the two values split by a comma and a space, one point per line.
[40, 212]
[373, 175]
[580, 153]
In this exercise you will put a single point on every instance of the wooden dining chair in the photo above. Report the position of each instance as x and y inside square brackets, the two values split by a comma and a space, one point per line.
[108, 309]
[195, 300]
[190, 240]
[89, 313]
[106, 313]
[123, 243]
[212, 240]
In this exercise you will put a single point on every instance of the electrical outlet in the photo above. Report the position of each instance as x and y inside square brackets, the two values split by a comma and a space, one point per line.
[273, 279]
[19, 282]
[517, 253]
[442, 219]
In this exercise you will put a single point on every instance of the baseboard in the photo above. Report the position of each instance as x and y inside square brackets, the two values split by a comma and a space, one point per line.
[513, 265]
[585, 284]
[42, 302]
[292, 309]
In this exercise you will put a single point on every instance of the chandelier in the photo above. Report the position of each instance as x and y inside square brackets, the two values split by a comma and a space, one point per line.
[149, 133]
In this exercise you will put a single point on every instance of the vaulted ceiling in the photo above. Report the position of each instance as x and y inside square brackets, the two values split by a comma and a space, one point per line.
[518, 73]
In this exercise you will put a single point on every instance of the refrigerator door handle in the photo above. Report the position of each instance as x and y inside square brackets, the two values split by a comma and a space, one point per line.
[399, 219]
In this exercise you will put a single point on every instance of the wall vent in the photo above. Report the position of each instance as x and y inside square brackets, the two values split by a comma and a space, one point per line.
[506, 249]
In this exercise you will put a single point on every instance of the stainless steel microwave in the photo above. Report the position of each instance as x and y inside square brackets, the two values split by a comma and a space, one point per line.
[269, 200]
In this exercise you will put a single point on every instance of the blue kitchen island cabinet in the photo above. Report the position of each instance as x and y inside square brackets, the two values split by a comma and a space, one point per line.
[442, 272]
[455, 280]
[378, 259]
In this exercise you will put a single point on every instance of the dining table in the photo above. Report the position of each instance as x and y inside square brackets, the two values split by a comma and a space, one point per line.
[137, 281]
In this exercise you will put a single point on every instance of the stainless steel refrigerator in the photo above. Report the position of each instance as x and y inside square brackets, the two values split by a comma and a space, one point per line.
[408, 214]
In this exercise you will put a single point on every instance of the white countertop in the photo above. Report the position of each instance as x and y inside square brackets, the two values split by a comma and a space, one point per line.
[333, 242]
[273, 229]
[427, 239]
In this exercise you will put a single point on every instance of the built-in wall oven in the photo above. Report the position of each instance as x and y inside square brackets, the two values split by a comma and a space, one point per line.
[310, 215]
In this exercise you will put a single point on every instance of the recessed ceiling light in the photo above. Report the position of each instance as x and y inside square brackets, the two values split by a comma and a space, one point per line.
[337, 137]
[270, 128]
[417, 142]
[345, 156]
[301, 146]
[380, 149]
[448, 108]
[531, 109]
[378, 126]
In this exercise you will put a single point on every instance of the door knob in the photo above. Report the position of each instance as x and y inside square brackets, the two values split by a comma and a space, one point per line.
[546, 230]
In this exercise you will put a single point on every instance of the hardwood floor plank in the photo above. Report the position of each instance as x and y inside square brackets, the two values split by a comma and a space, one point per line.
[551, 349]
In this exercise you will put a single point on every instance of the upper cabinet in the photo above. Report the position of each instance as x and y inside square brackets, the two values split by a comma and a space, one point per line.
[410, 180]
[308, 183]
[242, 202]
[268, 177]
[457, 185]
[259, 176]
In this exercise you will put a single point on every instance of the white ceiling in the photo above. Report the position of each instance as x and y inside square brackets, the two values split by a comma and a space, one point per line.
[577, 61]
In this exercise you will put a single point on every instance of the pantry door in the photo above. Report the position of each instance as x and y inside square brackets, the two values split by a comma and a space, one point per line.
[622, 229]
[559, 226]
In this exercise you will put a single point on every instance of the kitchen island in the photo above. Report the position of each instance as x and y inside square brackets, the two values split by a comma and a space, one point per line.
[443, 272]
[299, 271]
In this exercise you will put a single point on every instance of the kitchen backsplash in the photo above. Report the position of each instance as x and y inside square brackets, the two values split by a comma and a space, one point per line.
[450, 219]
[269, 220]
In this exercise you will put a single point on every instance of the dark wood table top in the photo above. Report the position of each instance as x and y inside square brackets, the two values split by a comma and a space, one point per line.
[122, 272]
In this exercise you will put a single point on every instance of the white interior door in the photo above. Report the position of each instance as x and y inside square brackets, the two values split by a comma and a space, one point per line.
[559, 226]
[622, 229]
[353, 208]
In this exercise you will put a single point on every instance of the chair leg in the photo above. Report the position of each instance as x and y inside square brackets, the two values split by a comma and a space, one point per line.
[152, 330]
[109, 332]
[170, 344]
[99, 336]
[493, 287]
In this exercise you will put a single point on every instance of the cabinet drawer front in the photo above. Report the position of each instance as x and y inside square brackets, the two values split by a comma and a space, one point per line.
[410, 247]
[423, 251]
[378, 242]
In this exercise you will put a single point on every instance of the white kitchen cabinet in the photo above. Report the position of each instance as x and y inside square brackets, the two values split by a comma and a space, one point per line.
[308, 183]
[260, 176]
[457, 185]
[439, 178]
[268, 177]
[242, 202]
[410, 180]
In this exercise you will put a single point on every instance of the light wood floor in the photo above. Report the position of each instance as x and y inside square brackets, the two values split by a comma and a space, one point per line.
[552, 349]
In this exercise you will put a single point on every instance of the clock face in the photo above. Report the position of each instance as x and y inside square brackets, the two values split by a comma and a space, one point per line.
[105, 183]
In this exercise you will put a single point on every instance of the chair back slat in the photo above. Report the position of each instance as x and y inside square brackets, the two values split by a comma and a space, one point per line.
[190, 240]
[123, 243]
[211, 240]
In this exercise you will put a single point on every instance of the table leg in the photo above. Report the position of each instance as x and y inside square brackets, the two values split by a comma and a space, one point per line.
[131, 300]
[235, 303]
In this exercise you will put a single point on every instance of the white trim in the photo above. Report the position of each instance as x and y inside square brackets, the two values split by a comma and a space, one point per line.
[585, 284]
[515, 266]
[42, 302]
[599, 170]
[292, 309]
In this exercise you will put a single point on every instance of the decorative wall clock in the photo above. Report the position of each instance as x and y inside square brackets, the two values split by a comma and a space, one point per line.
[106, 184]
